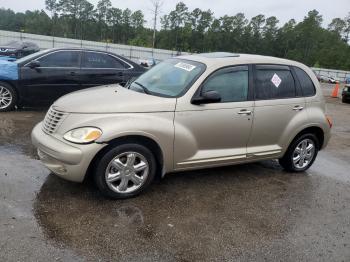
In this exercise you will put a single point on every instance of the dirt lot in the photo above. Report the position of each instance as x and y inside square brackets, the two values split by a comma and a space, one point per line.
[247, 212]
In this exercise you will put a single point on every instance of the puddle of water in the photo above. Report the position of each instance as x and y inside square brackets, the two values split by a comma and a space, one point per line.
[20, 235]
[330, 166]
[195, 214]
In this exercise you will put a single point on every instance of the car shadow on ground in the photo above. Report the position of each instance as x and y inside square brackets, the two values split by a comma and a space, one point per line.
[188, 207]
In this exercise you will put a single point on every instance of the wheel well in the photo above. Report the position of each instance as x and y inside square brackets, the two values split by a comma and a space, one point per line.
[317, 131]
[145, 141]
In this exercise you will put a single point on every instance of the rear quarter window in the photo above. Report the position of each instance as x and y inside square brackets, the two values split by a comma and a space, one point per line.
[307, 86]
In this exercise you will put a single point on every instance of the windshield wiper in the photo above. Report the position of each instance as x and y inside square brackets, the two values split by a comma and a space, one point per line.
[143, 88]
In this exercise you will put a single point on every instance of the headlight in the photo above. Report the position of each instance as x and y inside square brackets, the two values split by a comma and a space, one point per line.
[83, 135]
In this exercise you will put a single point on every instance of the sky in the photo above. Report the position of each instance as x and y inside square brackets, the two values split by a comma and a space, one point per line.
[282, 9]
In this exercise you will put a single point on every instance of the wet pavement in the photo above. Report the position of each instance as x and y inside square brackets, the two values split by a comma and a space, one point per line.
[239, 213]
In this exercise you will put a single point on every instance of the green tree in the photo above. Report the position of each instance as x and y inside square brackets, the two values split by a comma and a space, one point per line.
[285, 39]
[308, 35]
[126, 25]
[269, 33]
[177, 19]
[114, 17]
[52, 6]
[70, 10]
[37, 22]
[253, 33]
[198, 23]
[347, 28]
[102, 12]
[337, 26]
[86, 15]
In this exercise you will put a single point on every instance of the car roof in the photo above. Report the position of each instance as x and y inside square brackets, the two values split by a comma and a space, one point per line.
[25, 59]
[126, 59]
[222, 59]
[80, 49]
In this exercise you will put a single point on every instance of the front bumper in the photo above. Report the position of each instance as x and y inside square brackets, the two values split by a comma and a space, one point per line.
[69, 161]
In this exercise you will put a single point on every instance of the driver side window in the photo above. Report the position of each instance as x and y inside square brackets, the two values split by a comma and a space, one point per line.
[231, 83]
[68, 59]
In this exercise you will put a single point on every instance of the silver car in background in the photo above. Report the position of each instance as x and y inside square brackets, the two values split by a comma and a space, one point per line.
[186, 113]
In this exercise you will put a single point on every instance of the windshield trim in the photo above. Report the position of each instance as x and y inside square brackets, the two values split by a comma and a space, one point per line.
[185, 90]
[26, 59]
[188, 86]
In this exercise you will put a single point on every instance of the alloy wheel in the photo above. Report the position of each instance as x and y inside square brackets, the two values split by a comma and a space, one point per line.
[127, 172]
[303, 153]
[5, 97]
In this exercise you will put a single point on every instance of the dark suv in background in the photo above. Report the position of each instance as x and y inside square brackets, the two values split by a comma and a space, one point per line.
[46, 75]
[346, 94]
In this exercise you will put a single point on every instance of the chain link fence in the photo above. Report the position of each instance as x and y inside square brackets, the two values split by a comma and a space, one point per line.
[131, 52]
[339, 75]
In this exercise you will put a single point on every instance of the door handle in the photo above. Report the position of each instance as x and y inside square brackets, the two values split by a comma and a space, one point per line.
[113, 74]
[298, 108]
[72, 73]
[245, 112]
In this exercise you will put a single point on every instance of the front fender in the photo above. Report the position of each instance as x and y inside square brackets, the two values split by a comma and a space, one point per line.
[156, 126]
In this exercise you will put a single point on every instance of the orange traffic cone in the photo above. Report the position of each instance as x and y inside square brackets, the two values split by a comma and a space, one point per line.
[335, 90]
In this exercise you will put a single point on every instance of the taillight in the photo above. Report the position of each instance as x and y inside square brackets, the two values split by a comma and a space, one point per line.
[330, 122]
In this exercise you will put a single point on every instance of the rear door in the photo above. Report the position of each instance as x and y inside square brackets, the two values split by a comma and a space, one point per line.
[98, 68]
[57, 75]
[279, 110]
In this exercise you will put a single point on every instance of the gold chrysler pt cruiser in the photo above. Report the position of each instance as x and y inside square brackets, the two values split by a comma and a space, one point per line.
[185, 113]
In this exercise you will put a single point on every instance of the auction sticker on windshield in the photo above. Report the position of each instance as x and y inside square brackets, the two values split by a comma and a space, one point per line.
[185, 66]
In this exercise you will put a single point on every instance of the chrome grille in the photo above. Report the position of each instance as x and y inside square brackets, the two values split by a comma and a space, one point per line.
[52, 120]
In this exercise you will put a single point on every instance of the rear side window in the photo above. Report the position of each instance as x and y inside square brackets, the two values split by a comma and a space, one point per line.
[61, 59]
[274, 83]
[101, 60]
[231, 83]
[305, 81]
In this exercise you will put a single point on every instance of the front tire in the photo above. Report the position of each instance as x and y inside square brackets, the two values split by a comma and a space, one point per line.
[301, 153]
[8, 97]
[344, 100]
[125, 171]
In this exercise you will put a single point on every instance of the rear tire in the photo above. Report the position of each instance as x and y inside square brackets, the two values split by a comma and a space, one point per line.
[301, 153]
[344, 100]
[8, 97]
[125, 171]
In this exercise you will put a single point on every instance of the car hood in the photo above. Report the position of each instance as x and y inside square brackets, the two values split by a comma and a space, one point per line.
[113, 99]
[8, 47]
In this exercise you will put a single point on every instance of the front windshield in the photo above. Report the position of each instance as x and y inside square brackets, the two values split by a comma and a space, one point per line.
[170, 78]
[31, 56]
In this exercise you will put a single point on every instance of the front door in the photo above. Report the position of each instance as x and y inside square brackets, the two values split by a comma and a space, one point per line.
[57, 75]
[217, 133]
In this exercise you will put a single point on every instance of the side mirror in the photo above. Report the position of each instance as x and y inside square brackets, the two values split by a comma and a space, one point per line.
[207, 97]
[34, 64]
